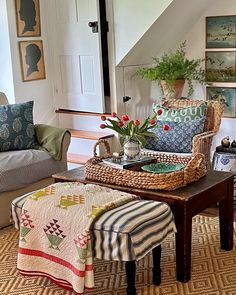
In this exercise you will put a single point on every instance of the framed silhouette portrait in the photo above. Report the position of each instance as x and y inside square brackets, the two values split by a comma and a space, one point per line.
[28, 18]
[32, 60]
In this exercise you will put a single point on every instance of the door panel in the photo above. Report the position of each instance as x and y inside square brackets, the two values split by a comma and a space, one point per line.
[76, 53]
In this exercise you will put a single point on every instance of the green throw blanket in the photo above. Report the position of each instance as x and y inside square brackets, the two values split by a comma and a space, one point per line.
[50, 138]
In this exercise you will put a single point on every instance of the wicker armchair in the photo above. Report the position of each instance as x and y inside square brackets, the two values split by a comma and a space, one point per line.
[201, 142]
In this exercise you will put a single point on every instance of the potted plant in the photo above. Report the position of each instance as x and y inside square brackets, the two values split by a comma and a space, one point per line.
[172, 70]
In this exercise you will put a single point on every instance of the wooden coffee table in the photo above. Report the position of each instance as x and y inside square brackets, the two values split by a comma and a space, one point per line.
[214, 188]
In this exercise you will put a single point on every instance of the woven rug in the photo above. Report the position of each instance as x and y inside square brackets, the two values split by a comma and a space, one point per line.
[213, 270]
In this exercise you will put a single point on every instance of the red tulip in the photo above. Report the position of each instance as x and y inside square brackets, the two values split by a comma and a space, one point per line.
[103, 118]
[114, 115]
[103, 126]
[125, 117]
[166, 127]
[120, 123]
[159, 112]
[152, 121]
[136, 122]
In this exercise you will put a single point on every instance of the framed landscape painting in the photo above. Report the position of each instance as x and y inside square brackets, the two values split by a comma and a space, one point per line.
[32, 60]
[28, 18]
[227, 95]
[220, 66]
[221, 31]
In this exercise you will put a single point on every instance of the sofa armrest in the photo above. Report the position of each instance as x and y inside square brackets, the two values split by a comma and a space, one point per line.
[54, 140]
[65, 146]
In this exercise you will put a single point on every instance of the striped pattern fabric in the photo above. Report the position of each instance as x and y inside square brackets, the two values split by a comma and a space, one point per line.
[132, 230]
[125, 233]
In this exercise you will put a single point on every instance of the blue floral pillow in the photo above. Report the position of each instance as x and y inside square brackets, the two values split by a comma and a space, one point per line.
[17, 127]
[178, 139]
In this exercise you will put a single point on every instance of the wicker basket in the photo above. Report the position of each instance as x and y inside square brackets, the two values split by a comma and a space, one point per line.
[195, 168]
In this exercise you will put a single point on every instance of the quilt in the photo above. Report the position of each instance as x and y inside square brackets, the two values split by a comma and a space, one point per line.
[55, 238]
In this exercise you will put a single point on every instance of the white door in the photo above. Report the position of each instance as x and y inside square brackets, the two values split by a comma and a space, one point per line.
[77, 74]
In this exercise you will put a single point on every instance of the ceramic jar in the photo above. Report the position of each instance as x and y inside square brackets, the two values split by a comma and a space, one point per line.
[132, 149]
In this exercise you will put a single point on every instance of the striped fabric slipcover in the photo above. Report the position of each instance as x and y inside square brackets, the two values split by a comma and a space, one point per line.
[125, 233]
[132, 230]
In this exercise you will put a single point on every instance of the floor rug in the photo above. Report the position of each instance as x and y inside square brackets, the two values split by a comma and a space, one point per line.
[213, 270]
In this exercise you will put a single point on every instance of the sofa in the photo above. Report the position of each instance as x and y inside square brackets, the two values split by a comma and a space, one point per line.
[29, 169]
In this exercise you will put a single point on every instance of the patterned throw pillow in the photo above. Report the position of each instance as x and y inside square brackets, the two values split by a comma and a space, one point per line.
[17, 127]
[178, 139]
[181, 114]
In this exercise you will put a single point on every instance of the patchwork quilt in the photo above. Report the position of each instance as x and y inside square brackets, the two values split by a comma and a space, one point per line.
[55, 239]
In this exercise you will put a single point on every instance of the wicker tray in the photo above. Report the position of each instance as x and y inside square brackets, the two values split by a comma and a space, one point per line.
[195, 168]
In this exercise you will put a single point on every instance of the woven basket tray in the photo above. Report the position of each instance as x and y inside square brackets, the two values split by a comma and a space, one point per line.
[195, 168]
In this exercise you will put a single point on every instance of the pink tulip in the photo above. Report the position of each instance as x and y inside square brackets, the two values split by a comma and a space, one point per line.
[114, 115]
[103, 126]
[125, 117]
[103, 118]
[136, 122]
[152, 121]
[120, 123]
[159, 112]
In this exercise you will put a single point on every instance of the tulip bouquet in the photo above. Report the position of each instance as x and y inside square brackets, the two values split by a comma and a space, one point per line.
[132, 128]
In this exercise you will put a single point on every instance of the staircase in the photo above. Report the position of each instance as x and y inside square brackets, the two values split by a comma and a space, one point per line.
[85, 132]
[85, 140]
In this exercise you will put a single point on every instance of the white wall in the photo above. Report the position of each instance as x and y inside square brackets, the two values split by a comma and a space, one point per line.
[132, 19]
[39, 90]
[144, 93]
[196, 48]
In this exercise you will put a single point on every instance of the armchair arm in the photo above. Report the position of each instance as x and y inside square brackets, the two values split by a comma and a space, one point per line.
[201, 143]
[54, 140]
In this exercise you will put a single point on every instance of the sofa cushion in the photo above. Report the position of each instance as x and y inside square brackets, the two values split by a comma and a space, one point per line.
[17, 127]
[178, 139]
[21, 168]
[181, 114]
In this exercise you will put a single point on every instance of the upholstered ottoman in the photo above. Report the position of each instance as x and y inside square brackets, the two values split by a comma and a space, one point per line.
[125, 231]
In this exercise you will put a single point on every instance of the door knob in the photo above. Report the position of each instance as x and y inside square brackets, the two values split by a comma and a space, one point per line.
[94, 26]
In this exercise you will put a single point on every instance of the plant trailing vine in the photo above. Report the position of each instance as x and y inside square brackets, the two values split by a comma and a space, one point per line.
[174, 66]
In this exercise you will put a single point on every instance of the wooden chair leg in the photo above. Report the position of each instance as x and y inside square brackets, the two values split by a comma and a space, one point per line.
[130, 267]
[156, 271]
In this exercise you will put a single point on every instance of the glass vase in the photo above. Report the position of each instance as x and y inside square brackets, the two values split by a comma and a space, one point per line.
[132, 149]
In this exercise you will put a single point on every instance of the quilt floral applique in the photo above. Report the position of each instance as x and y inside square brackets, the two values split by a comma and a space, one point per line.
[54, 234]
[26, 225]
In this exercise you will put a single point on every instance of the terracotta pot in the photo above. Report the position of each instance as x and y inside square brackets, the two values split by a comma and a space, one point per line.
[173, 91]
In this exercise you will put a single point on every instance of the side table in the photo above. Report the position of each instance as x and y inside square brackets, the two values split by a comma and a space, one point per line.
[225, 162]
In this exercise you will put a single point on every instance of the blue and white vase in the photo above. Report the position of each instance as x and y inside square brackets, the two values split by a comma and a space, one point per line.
[132, 149]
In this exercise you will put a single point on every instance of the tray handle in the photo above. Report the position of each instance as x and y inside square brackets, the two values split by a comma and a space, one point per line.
[106, 147]
[197, 162]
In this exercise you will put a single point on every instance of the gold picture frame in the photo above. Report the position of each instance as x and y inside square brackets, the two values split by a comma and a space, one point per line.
[28, 18]
[32, 60]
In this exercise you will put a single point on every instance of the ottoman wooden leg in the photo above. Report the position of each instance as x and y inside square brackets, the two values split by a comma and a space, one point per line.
[156, 271]
[130, 267]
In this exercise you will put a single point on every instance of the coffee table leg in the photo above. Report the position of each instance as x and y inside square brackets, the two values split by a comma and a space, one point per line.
[226, 218]
[183, 239]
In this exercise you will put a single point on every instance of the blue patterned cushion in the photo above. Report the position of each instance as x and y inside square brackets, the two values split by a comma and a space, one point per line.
[181, 114]
[178, 139]
[17, 127]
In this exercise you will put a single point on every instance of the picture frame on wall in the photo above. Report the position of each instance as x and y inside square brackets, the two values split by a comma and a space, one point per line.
[220, 66]
[28, 18]
[32, 60]
[221, 31]
[227, 95]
